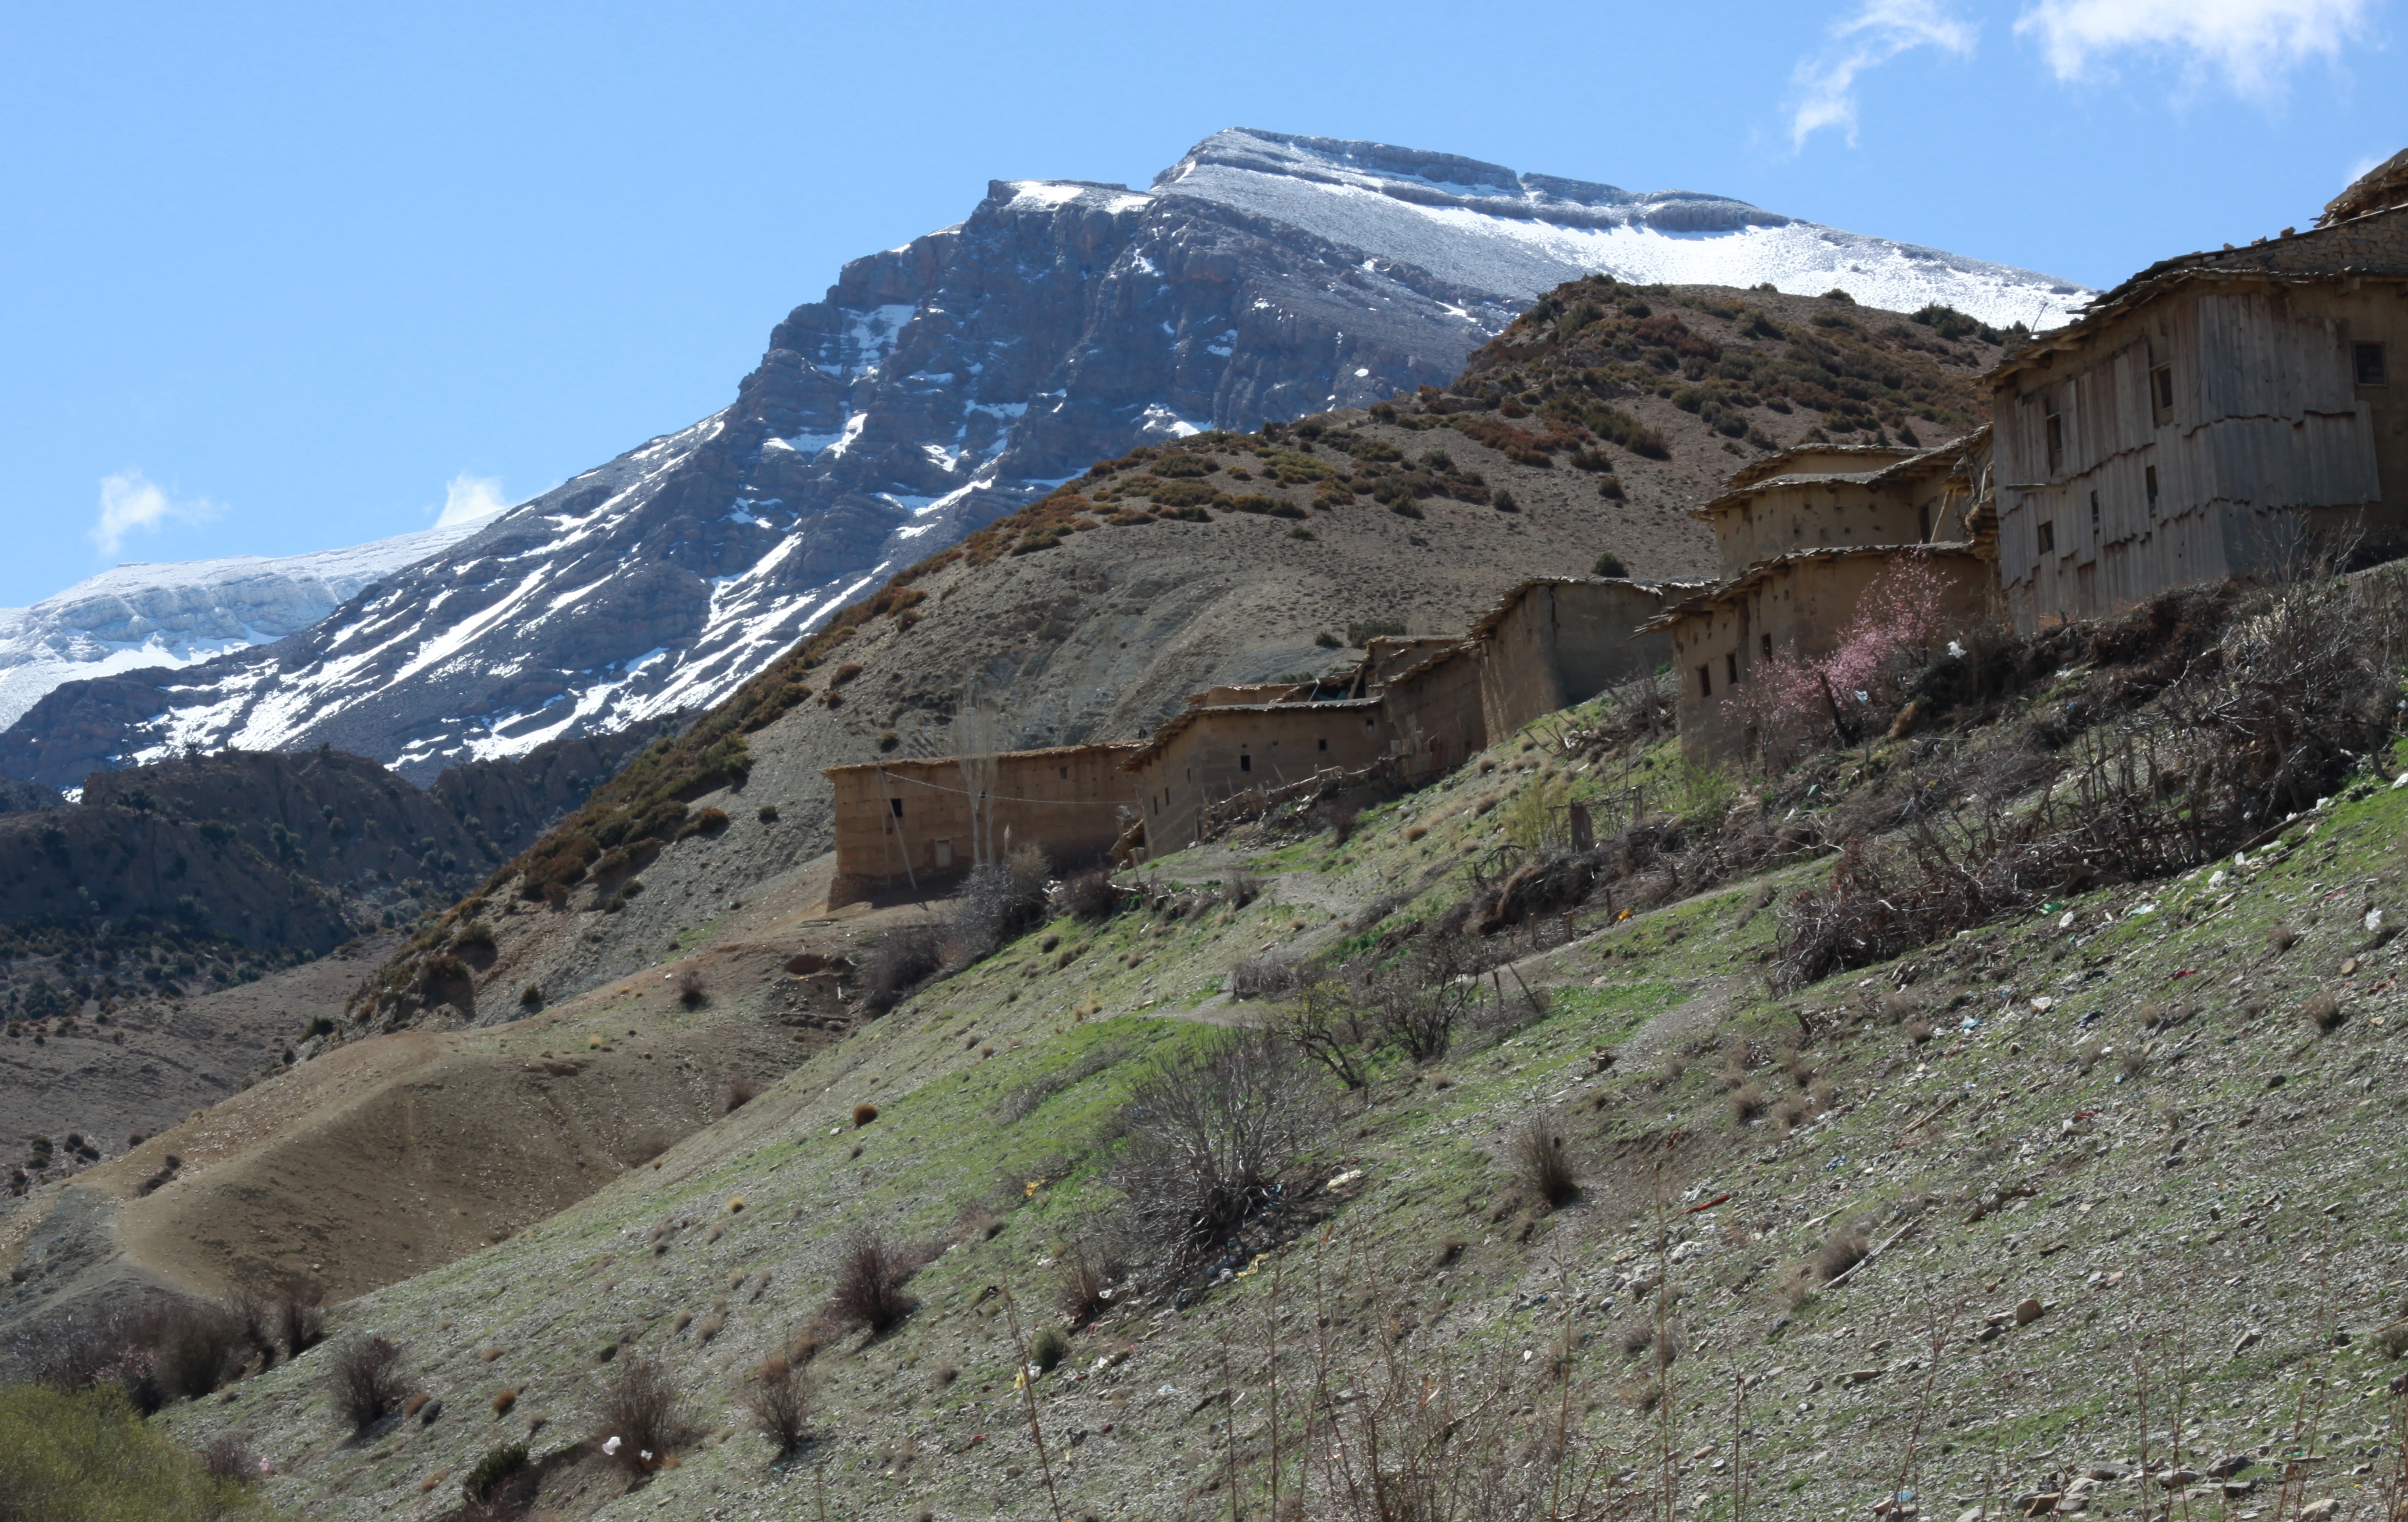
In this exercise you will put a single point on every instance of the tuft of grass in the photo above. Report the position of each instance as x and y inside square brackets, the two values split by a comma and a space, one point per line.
[1540, 1160]
[741, 1092]
[2282, 938]
[1842, 1249]
[863, 1114]
[504, 1398]
[1049, 1347]
[2322, 1011]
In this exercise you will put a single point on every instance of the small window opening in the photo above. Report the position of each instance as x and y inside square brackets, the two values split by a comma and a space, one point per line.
[2048, 538]
[1705, 682]
[1731, 668]
[1324, 744]
[1923, 520]
[2368, 362]
[2161, 391]
[2149, 481]
[2094, 515]
[896, 805]
[1066, 774]
[1766, 645]
[1245, 762]
[2055, 430]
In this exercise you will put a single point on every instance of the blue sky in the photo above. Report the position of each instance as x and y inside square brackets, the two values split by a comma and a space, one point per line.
[279, 279]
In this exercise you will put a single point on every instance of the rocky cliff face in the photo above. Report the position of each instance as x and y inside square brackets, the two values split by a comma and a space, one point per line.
[937, 387]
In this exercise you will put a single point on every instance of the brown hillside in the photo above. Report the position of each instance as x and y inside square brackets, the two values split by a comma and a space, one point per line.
[1587, 429]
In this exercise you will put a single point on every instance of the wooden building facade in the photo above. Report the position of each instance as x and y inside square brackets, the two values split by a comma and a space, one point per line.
[2213, 417]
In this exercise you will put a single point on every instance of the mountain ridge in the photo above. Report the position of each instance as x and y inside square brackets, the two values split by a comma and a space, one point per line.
[937, 387]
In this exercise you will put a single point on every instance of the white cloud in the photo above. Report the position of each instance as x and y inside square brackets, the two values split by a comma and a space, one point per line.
[1877, 33]
[2252, 43]
[467, 498]
[130, 500]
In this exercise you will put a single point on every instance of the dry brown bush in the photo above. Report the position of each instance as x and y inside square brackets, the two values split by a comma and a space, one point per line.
[780, 1404]
[645, 1408]
[364, 1380]
[872, 1276]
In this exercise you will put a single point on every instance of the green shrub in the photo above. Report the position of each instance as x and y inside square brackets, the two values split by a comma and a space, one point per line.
[1610, 563]
[1502, 500]
[498, 1465]
[1049, 1347]
[87, 1458]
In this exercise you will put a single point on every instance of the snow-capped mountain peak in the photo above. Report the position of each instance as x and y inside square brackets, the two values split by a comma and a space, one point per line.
[938, 386]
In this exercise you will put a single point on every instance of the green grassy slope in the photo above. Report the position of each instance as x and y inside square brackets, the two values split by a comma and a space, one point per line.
[2208, 1216]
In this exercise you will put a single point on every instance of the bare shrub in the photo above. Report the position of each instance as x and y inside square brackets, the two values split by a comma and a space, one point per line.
[227, 1457]
[1242, 888]
[780, 1404]
[194, 1347]
[2282, 938]
[1842, 1249]
[645, 1408]
[998, 901]
[1212, 1134]
[741, 1092]
[1089, 896]
[1095, 1263]
[2322, 1011]
[899, 964]
[1323, 1021]
[872, 1276]
[1539, 1159]
[364, 1380]
[1918, 1031]
[1413, 1011]
[863, 1114]
[693, 988]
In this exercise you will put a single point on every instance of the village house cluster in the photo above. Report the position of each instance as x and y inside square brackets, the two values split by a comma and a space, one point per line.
[2214, 416]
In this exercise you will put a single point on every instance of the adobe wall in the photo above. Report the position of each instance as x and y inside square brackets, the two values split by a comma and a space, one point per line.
[1563, 643]
[910, 823]
[1797, 608]
[1815, 515]
[1209, 755]
[1433, 715]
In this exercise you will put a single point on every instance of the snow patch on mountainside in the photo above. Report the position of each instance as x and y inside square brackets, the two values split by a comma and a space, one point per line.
[174, 613]
[1520, 236]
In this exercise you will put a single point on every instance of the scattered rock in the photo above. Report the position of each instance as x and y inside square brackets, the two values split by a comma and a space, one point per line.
[2029, 1311]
